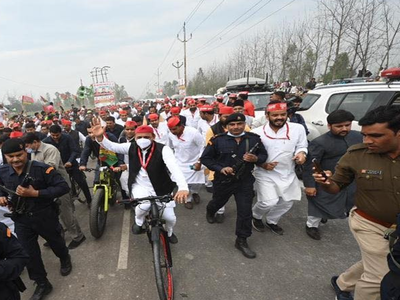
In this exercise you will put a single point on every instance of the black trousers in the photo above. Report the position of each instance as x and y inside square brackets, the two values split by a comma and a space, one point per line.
[45, 224]
[9, 292]
[390, 286]
[243, 192]
[81, 181]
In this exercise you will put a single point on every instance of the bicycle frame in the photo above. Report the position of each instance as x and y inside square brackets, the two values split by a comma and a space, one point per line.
[105, 184]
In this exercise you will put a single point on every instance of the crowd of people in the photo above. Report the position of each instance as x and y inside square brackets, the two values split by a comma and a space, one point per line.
[183, 146]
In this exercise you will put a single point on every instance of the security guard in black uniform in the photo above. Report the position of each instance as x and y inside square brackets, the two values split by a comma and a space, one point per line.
[34, 211]
[13, 259]
[232, 156]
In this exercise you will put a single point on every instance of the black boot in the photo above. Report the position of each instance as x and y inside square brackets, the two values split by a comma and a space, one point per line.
[41, 290]
[66, 266]
[241, 244]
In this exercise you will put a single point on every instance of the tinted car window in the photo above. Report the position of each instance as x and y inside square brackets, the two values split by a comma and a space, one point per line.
[396, 99]
[308, 101]
[356, 103]
[334, 102]
[259, 101]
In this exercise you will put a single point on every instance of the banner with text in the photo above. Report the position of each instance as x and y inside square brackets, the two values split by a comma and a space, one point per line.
[104, 94]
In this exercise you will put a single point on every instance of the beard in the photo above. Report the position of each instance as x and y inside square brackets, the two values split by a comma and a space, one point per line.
[278, 123]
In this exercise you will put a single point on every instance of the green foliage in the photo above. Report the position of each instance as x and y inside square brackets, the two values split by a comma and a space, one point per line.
[342, 68]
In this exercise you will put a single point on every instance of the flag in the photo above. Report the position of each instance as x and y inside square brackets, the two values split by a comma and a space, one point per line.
[27, 100]
[109, 157]
[43, 99]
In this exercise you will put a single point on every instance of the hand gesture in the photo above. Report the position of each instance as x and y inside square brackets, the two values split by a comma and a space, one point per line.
[269, 166]
[228, 171]
[97, 129]
[300, 158]
[319, 178]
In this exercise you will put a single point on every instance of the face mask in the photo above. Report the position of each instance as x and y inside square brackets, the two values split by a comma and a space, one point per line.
[30, 150]
[236, 136]
[143, 143]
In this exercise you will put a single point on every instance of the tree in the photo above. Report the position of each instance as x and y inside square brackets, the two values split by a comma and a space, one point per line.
[340, 66]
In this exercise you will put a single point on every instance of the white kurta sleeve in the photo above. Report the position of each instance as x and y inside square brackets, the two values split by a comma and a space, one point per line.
[302, 143]
[115, 147]
[177, 175]
[82, 138]
[199, 141]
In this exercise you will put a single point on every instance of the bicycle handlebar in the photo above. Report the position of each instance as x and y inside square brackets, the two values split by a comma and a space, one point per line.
[164, 198]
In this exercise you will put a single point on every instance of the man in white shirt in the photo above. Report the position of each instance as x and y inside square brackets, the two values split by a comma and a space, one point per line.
[160, 129]
[276, 182]
[149, 166]
[208, 119]
[166, 113]
[192, 114]
[123, 117]
[188, 145]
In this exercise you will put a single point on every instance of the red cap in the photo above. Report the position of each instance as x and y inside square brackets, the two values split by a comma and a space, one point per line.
[16, 134]
[232, 96]
[244, 93]
[153, 117]
[167, 106]
[226, 110]
[49, 122]
[191, 102]
[130, 124]
[102, 113]
[277, 106]
[207, 108]
[123, 112]
[66, 122]
[220, 97]
[175, 110]
[144, 129]
[173, 121]
[15, 125]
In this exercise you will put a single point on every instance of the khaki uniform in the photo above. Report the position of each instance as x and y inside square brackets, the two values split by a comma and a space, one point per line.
[377, 204]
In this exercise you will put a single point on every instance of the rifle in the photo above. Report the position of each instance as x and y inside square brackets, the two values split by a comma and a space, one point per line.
[240, 165]
[17, 202]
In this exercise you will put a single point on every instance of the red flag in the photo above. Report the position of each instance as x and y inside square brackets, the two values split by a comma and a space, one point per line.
[43, 99]
[27, 100]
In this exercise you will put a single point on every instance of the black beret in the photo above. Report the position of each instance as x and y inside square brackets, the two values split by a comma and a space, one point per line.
[13, 145]
[238, 102]
[340, 116]
[236, 117]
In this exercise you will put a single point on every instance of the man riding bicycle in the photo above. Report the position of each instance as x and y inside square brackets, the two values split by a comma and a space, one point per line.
[150, 164]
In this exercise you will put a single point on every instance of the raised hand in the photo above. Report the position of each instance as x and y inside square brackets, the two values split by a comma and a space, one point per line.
[97, 129]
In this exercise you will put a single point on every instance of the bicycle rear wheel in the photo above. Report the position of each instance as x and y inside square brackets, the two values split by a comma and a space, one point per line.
[98, 216]
[162, 264]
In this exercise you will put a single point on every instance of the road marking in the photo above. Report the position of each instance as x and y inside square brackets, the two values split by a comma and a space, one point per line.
[124, 246]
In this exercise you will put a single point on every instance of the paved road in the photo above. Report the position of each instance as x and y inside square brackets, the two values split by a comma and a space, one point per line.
[206, 264]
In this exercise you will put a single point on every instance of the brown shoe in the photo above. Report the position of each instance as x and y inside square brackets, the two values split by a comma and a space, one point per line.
[196, 198]
[189, 205]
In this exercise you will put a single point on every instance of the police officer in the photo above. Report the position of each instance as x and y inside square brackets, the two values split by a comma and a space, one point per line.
[13, 259]
[36, 185]
[375, 167]
[228, 154]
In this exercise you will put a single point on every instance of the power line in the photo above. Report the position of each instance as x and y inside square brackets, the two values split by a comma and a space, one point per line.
[219, 33]
[218, 5]
[262, 20]
[194, 11]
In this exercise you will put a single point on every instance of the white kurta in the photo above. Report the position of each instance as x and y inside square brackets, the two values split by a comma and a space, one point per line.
[281, 147]
[203, 125]
[192, 119]
[142, 179]
[161, 133]
[188, 149]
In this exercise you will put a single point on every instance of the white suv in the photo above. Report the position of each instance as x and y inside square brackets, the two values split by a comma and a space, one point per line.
[358, 98]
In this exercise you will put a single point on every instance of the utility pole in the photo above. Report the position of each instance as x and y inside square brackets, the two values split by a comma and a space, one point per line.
[158, 79]
[178, 66]
[184, 41]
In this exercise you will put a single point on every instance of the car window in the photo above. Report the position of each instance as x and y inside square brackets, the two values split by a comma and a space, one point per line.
[259, 101]
[356, 103]
[396, 100]
[334, 102]
[308, 101]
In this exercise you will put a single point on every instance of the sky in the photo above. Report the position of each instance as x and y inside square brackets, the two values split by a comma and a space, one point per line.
[49, 46]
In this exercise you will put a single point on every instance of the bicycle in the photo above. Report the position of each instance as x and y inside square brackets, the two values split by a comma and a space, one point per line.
[158, 238]
[104, 194]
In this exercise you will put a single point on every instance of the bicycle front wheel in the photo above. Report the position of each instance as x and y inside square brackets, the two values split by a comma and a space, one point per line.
[98, 216]
[162, 264]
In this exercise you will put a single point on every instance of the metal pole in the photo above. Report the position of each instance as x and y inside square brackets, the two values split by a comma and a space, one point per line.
[184, 41]
[178, 66]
